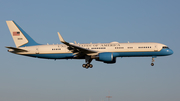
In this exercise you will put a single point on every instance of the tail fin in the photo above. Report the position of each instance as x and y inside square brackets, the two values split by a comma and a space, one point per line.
[20, 37]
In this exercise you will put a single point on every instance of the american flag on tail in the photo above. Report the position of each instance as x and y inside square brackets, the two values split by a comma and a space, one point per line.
[16, 33]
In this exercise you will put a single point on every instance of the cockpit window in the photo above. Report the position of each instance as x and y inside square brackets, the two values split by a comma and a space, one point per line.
[165, 47]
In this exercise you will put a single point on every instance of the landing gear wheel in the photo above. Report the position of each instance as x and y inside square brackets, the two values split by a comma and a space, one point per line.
[152, 64]
[90, 65]
[84, 65]
[87, 66]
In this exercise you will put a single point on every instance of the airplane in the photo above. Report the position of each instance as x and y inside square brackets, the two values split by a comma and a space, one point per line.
[103, 52]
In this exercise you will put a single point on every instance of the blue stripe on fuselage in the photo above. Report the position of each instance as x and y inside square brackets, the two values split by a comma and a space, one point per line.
[53, 56]
[163, 52]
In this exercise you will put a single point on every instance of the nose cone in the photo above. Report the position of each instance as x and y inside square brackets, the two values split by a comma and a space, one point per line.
[169, 52]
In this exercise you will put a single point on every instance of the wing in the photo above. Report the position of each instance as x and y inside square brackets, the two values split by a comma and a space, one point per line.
[76, 49]
[16, 50]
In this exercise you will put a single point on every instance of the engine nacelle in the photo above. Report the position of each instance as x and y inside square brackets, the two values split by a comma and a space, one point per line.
[106, 57]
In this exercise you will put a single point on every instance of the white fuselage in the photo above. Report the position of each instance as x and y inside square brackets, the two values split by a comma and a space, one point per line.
[100, 47]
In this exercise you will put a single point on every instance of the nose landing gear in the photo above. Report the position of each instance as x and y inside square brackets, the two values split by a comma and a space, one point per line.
[152, 64]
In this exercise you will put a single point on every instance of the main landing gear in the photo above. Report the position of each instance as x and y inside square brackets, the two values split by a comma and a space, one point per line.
[152, 64]
[87, 65]
[88, 60]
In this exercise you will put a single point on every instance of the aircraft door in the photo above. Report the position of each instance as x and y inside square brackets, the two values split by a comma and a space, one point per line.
[37, 50]
[155, 48]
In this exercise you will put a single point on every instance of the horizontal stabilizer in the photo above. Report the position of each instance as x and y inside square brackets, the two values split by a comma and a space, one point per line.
[15, 50]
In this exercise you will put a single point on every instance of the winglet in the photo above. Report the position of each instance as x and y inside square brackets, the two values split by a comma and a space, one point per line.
[60, 37]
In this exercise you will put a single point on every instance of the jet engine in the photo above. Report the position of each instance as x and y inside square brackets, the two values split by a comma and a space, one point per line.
[106, 57]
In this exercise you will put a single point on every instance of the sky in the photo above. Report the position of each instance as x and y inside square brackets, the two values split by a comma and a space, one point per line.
[129, 79]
